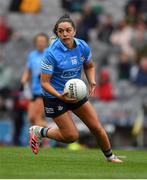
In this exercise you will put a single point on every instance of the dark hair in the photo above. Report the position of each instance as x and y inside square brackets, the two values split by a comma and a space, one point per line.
[64, 18]
[40, 34]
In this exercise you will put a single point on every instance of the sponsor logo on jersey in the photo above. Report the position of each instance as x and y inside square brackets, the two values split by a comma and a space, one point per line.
[71, 72]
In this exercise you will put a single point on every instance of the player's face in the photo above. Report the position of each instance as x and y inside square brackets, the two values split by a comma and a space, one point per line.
[66, 33]
[41, 43]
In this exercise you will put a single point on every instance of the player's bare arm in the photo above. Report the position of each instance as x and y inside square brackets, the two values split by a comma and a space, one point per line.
[26, 76]
[90, 74]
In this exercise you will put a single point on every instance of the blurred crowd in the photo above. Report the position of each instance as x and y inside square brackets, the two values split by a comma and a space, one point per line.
[119, 46]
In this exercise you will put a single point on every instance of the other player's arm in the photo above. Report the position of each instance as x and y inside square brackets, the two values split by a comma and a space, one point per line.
[90, 74]
[25, 77]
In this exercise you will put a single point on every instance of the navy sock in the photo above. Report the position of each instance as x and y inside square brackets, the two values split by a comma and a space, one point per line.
[44, 131]
[108, 153]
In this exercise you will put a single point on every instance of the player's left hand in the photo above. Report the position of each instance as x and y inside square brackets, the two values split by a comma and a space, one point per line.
[92, 86]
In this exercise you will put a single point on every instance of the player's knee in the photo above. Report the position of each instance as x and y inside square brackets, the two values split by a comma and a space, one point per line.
[71, 137]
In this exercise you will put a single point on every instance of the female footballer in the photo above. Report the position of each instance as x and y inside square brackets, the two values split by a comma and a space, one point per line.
[32, 71]
[63, 60]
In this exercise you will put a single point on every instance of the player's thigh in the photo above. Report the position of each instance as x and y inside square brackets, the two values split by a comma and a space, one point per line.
[88, 115]
[31, 112]
[65, 124]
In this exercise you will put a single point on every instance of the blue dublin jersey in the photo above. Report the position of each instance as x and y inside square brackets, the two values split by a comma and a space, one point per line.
[34, 65]
[63, 63]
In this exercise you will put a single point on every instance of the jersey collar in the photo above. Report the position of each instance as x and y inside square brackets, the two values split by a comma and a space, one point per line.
[64, 47]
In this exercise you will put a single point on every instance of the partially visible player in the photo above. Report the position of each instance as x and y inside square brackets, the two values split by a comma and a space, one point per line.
[32, 74]
[63, 60]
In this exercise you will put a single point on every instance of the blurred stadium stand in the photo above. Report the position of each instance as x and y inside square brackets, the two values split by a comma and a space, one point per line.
[124, 118]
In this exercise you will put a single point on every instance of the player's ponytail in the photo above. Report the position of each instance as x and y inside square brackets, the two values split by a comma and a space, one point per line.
[51, 38]
[64, 18]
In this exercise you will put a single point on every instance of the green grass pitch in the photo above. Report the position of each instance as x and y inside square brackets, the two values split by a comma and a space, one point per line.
[67, 164]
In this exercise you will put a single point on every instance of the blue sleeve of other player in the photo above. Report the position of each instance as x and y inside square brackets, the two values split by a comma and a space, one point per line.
[29, 62]
[47, 64]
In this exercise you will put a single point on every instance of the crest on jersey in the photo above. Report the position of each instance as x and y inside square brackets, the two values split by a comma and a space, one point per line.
[82, 58]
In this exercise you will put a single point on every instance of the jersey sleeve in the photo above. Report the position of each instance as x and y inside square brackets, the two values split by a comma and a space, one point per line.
[47, 63]
[87, 53]
[29, 62]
